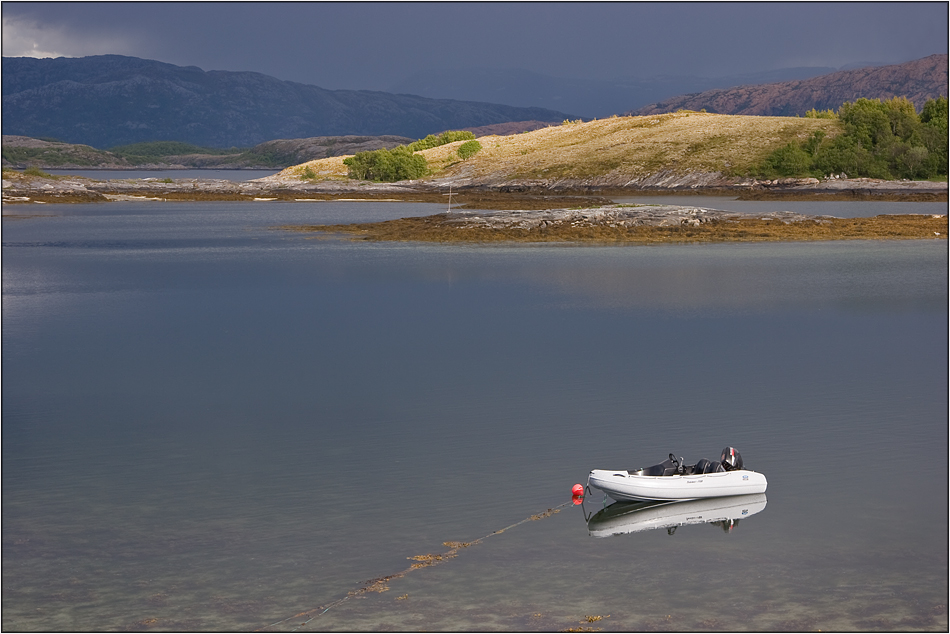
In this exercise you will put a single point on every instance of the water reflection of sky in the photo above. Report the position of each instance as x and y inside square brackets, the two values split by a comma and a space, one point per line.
[218, 425]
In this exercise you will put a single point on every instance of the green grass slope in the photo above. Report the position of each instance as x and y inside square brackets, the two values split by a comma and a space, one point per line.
[615, 150]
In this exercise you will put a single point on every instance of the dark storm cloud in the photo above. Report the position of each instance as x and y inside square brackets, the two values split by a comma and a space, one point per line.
[374, 45]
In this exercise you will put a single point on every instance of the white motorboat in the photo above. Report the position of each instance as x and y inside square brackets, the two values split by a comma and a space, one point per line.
[633, 517]
[672, 480]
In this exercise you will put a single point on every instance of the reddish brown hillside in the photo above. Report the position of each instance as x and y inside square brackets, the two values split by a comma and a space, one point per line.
[919, 81]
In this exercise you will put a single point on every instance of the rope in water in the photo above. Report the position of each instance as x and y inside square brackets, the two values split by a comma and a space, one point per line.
[422, 561]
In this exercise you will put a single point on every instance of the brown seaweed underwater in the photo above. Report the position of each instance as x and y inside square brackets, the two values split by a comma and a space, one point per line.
[427, 560]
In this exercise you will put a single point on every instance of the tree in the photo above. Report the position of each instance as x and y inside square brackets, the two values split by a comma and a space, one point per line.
[933, 133]
[790, 160]
[903, 117]
[881, 139]
[866, 121]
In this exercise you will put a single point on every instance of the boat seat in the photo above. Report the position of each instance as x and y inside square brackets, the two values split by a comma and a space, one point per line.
[665, 468]
[705, 466]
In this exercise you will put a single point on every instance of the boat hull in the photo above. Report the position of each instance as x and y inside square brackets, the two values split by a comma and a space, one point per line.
[623, 486]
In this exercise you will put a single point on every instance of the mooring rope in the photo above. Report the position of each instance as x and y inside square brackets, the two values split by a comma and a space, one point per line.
[422, 561]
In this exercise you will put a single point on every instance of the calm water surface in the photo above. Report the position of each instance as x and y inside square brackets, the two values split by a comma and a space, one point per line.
[210, 424]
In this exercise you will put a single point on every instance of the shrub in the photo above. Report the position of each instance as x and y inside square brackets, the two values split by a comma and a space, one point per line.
[387, 166]
[469, 149]
[400, 163]
[432, 140]
[35, 171]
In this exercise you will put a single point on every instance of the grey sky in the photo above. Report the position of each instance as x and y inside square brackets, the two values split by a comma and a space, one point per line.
[375, 45]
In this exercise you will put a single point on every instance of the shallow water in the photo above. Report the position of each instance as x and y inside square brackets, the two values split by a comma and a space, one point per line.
[210, 424]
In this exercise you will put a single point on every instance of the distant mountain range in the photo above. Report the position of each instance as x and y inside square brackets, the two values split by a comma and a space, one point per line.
[918, 80]
[109, 100]
[588, 98]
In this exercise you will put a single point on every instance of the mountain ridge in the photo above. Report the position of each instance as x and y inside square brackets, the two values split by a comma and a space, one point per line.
[110, 100]
[918, 80]
[587, 97]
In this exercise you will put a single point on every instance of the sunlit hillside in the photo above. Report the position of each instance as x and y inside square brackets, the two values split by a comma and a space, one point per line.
[613, 150]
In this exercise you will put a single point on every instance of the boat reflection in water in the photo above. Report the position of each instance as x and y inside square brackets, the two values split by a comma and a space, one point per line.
[633, 517]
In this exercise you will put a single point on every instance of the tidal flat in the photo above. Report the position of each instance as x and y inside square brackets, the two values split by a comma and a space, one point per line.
[636, 225]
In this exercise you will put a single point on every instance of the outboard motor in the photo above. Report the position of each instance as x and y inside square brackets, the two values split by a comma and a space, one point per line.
[731, 460]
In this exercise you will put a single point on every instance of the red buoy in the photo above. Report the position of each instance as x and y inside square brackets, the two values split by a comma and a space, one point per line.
[577, 489]
[578, 499]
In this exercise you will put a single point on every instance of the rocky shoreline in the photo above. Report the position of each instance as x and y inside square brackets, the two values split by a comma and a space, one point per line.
[20, 188]
[522, 213]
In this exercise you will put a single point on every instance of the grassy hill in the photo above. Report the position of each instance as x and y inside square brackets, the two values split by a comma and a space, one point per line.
[611, 151]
